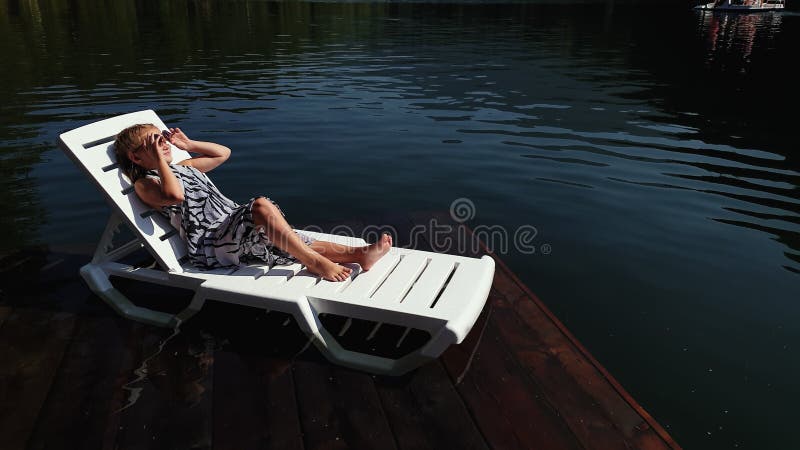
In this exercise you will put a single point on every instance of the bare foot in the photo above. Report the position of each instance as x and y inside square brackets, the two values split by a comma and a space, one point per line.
[327, 269]
[374, 252]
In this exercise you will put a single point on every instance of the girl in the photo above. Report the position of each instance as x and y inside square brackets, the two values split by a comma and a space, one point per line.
[217, 231]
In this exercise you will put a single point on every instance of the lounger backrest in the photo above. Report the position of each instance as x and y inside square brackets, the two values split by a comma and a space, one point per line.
[91, 147]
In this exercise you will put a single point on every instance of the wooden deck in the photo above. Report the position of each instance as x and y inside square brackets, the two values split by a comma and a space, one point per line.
[236, 378]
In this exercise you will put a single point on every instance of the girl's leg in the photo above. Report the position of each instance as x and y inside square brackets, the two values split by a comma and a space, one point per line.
[278, 230]
[365, 256]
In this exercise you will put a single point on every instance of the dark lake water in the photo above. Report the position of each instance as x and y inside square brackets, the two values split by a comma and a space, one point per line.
[652, 147]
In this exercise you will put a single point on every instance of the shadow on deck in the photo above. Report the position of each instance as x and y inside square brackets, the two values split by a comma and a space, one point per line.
[74, 375]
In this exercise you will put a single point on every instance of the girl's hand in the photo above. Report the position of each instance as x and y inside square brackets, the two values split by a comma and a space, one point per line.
[152, 151]
[179, 139]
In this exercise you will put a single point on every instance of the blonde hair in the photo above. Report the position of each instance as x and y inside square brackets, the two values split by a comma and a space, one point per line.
[128, 140]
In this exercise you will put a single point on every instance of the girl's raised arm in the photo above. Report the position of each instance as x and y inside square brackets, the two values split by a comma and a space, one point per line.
[210, 155]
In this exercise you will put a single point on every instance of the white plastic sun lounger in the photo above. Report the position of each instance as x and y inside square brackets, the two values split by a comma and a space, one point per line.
[440, 294]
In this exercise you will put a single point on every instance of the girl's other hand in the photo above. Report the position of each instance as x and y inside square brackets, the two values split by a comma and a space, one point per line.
[179, 139]
[151, 151]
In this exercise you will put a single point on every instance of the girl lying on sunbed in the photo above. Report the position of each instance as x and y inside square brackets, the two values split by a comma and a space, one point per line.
[219, 232]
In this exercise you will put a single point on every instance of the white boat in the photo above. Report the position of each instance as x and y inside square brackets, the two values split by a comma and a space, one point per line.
[743, 5]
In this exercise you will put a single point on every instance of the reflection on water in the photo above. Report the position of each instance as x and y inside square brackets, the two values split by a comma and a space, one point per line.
[735, 34]
[731, 39]
[656, 156]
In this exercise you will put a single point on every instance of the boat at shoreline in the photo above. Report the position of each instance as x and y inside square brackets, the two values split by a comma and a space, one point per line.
[743, 5]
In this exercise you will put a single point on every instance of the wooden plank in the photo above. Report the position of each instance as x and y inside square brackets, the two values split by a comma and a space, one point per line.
[174, 405]
[253, 393]
[254, 403]
[425, 411]
[32, 343]
[595, 411]
[619, 406]
[339, 408]
[5, 311]
[76, 413]
[505, 288]
[50, 282]
[509, 408]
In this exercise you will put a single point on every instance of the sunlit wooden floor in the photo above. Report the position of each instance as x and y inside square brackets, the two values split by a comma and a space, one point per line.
[75, 375]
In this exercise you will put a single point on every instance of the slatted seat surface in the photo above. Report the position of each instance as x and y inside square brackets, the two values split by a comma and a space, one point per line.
[429, 286]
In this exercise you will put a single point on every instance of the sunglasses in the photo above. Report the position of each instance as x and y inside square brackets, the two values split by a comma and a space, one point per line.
[160, 139]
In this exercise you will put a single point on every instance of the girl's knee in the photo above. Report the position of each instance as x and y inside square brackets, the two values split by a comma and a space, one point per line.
[265, 208]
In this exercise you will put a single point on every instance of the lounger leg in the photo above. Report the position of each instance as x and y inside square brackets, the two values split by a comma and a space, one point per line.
[194, 307]
[97, 278]
[334, 352]
[98, 282]
[330, 348]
